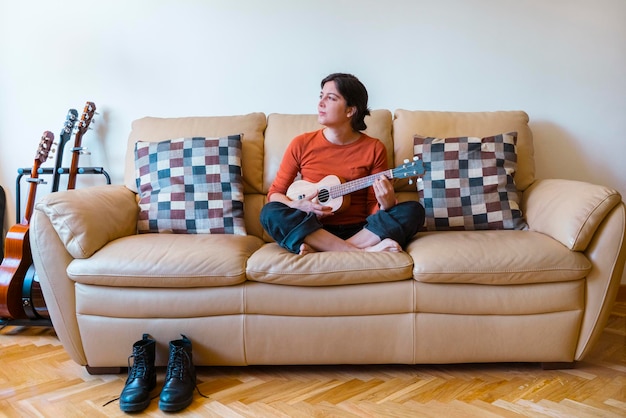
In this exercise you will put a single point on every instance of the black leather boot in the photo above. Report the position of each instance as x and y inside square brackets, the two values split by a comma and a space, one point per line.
[141, 377]
[180, 377]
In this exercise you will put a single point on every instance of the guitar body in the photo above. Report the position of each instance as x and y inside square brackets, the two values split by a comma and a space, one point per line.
[14, 266]
[299, 189]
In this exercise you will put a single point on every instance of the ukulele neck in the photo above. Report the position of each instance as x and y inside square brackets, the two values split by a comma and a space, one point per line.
[358, 184]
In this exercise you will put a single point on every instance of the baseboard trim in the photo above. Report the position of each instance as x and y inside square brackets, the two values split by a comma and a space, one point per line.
[621, 293]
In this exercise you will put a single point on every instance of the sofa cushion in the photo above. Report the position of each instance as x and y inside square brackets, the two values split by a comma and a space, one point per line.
[273, 264]
[505, 257]
[190, 185]
[167, 260]
[468, 183]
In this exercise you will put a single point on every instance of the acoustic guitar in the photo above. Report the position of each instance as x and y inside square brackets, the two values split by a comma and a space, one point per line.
[33, 301]
[17, 257]
[334, 192]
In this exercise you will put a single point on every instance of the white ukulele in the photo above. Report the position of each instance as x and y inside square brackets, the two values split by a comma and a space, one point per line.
[331, 189]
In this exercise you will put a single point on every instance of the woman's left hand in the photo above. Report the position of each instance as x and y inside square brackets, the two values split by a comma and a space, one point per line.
[383, 189]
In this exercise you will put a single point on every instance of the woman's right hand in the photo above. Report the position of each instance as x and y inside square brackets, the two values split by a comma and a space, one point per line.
[309, 205]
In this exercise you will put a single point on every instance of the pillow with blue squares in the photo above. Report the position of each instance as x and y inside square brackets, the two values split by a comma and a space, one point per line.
[190, 186]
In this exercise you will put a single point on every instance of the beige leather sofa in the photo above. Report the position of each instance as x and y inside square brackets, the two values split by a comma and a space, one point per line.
[537, 295]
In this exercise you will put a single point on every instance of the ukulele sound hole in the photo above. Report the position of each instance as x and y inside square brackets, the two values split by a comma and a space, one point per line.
[323, 195]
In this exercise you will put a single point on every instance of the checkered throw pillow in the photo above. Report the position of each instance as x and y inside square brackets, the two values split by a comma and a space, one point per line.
[190, 185]
[468, 183]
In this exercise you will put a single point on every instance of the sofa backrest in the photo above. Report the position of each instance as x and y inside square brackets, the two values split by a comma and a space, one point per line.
[282, 128]
[407, 124]
[265, 140]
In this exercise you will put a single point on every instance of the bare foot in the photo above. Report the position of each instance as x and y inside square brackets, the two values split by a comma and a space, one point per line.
[387, 244]
[306, 249]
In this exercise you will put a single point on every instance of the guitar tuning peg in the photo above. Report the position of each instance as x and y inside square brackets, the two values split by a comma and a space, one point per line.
[416, 158]
[410, 181]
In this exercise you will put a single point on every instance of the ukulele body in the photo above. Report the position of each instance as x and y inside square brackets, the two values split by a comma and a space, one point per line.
[299, 189]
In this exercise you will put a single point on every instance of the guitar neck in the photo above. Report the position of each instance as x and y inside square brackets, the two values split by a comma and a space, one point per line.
[66, 133]
[71, 179]
[32, 192]
[78, 149]
[358, 184]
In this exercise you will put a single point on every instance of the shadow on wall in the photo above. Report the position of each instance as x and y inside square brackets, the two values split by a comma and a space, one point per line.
[559, 153]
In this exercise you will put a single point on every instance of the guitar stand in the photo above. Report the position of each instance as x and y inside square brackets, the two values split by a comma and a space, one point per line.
[35, 319]
[42, 322]
[49, 170]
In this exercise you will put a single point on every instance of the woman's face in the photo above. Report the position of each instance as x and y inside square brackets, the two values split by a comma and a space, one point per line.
[332, 109]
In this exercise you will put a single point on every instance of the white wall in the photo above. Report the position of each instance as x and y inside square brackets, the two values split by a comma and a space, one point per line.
[562, 61]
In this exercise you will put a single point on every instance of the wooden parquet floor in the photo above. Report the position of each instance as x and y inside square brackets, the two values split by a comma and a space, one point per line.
[37, 379]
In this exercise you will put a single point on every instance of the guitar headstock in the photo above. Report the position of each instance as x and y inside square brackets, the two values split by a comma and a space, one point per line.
[68, 126]
[86, 118]
[43, 150]
[409, 169]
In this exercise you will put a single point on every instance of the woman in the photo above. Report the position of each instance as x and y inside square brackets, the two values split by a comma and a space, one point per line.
[374, 220]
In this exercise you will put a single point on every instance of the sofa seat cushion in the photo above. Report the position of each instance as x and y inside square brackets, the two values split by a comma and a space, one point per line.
[330, 301]
[167, 260]
[273, 264]
[503, 257]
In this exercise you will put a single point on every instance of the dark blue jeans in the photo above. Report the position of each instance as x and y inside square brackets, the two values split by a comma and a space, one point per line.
[288, 226]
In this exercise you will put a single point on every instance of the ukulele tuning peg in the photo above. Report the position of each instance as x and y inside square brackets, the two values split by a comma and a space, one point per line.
[406, 161]
[410, 181]
[416, 158]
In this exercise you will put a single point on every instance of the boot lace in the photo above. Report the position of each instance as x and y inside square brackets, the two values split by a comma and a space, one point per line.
[179, 362]
[139, 367]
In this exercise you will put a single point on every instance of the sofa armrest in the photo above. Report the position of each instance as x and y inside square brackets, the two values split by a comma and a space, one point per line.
[568, 211]
[86, 219]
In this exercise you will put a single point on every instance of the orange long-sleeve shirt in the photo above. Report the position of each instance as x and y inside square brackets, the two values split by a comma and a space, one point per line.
[314, 157]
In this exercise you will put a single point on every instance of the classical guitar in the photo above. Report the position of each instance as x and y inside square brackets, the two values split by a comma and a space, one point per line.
[78, 149]
[333, 192]
[18, 258]
[33, 302]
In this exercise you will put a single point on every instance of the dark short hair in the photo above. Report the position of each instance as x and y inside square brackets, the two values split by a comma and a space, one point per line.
[355, 94]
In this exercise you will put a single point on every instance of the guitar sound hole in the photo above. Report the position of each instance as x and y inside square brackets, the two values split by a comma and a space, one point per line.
[323, 195]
